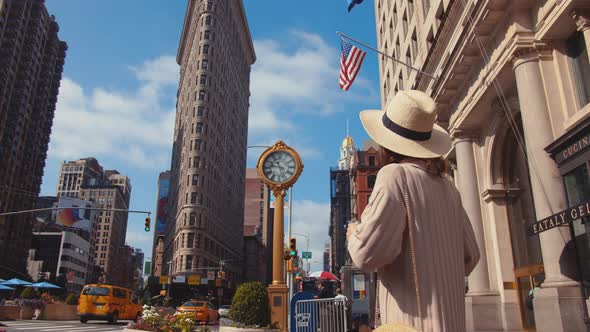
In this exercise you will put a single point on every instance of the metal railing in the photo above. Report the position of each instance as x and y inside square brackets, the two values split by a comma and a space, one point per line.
[321, 315]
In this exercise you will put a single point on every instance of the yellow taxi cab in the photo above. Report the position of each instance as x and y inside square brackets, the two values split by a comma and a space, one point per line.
[203, 311]
[107, 302]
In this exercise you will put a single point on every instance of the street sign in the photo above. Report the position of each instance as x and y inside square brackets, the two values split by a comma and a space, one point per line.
[204, 281]
[306, 254]
[194, 280]
[210, 274]
[164, 280]
[179, 279]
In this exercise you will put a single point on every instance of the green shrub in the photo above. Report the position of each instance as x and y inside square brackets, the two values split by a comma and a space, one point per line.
[250, 305]
[29, 293]
[72, 299]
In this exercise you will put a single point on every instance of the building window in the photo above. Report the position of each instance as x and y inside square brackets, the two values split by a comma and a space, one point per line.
[208, 20]
[192, 219]
[207, 34]
[193, 198]
[203, 80]
[578, 51]
[371, 181]
[405, 24]
[201, 94]
[190, 240]
[371, 160]
[200, 110]
[204, 64]
[195, 179]
[198, 145]
[205, 49]
[199, 128]
[189, 262]
[197, 162]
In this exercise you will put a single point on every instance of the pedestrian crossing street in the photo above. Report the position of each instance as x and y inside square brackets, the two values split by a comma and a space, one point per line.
[53, 326]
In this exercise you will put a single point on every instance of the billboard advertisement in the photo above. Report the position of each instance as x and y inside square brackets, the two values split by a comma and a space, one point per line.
[72, 213]
[164, 185]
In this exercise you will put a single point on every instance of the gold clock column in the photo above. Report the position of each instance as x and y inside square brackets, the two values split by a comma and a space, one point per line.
[278, 291]
[278, 249]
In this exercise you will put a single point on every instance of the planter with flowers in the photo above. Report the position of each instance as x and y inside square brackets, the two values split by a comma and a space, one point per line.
[31, 309]
[154, 320]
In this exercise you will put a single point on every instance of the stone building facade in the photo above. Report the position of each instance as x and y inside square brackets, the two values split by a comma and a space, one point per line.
[258, 224]
[512, 87]
[209, 153]
[31, 64]
[85, 178]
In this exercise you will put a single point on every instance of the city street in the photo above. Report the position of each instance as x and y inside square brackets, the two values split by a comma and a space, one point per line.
[66, 326]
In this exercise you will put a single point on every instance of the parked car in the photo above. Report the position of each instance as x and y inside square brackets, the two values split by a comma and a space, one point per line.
[107, 302]
[203, 311]
[224, 310]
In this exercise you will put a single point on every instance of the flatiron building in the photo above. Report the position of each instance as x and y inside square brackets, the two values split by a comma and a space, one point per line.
[209, 153]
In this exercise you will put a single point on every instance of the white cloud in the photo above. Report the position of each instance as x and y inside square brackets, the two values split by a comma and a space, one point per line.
[311, 218]
[141, 240]
[294, 81]
[135, 127]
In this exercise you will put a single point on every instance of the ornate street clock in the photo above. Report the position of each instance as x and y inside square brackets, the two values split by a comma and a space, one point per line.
[279, 166]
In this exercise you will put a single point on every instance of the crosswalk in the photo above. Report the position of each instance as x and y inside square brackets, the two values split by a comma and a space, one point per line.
[52, 326]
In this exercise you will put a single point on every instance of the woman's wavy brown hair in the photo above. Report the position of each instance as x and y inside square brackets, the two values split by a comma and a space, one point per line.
[435, 166]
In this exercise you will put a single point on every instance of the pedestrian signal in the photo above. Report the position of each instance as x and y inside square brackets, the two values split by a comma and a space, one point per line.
[147, 224]
[292, 247]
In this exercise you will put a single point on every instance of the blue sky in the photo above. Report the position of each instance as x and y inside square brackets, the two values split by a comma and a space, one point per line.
[119, 84]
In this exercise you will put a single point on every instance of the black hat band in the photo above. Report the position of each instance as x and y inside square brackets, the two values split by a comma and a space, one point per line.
[405, 132]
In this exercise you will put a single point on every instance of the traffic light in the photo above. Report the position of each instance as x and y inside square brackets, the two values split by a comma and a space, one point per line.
[292, 247]
[147, 224]
[287, 256]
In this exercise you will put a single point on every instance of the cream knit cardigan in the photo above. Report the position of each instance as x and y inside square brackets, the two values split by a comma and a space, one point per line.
[446, 249]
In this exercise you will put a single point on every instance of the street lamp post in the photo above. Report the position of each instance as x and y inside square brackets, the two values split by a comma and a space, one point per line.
[306, 246]
[169, 280]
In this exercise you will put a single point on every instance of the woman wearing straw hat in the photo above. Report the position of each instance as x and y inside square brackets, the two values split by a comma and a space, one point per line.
[414, 231]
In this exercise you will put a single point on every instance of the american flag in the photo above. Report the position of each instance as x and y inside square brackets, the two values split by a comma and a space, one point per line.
[351, 60]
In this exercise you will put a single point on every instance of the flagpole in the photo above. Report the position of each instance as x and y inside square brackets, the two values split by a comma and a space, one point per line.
[389, 56]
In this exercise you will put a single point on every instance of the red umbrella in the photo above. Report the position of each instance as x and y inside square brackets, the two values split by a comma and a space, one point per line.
[323, 275]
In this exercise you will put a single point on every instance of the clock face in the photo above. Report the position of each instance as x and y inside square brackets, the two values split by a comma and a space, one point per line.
[279, 166]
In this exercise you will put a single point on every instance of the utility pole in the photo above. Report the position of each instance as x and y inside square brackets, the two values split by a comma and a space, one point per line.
[169, 279]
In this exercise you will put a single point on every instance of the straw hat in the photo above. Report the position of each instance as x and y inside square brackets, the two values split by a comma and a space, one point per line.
[407, 126]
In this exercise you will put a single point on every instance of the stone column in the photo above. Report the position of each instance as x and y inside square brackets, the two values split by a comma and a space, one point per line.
[479, 279]
[582, 21]
[558, 305]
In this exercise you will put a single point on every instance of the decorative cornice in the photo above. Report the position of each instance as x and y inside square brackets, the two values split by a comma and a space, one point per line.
[581, 19]
[531, 52]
